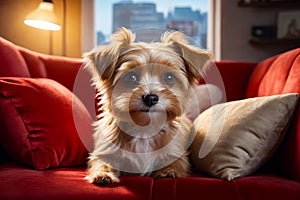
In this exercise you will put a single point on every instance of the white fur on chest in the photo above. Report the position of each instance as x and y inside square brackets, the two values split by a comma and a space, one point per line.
[141, 155]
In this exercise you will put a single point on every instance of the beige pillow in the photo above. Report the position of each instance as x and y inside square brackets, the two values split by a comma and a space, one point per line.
[234, 139]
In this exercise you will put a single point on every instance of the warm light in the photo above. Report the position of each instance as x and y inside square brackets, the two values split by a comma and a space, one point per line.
[42, 25]
[43, 17]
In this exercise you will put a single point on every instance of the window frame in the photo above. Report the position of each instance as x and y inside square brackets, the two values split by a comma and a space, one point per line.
[88, 33]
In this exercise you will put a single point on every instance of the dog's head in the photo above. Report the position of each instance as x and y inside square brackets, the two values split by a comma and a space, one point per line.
[147, 80]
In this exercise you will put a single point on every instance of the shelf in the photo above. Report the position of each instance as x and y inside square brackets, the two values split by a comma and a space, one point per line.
[259, 41]
[278, 4]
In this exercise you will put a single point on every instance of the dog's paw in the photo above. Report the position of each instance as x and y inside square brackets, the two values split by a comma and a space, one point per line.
[178, 169]
[166, 173]
[102, 178]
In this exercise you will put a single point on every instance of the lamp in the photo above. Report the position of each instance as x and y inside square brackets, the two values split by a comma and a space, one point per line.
[43, 17]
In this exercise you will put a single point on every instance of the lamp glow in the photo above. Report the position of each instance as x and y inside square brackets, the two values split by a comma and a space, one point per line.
[43, 17]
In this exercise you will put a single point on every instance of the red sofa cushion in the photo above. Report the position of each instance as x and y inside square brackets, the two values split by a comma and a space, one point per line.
[280, 75]
[12, 62]
[67, 184]
[37, 123]
[257, 186]
[276, 75]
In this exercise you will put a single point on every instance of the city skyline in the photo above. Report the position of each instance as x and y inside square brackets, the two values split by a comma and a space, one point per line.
[106, 8]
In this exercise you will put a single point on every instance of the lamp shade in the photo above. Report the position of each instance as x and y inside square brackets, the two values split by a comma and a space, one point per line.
[43, 17]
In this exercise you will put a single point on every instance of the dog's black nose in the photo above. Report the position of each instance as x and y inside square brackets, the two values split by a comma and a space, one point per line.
[150, 99]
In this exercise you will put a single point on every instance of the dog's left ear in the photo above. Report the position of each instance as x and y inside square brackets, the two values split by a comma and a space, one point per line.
[195, 58]
[102, 60]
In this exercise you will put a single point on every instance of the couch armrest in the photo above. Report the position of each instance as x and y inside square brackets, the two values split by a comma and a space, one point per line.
[234, 75]
[62, 69]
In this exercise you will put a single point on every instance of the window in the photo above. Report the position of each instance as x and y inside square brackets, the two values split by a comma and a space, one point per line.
[188, 16]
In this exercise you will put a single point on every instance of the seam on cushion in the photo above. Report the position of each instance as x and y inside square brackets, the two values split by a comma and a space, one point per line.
[237, 193]
[151, 189]
[175, 189]
[258, 83]
[293, 62]
[26, 127]
[26, 51]
[264, 75]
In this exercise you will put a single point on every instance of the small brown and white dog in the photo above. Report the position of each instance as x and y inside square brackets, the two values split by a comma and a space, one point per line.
[144, 88]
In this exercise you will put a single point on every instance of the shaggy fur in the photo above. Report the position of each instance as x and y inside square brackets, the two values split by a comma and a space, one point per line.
[144, 87]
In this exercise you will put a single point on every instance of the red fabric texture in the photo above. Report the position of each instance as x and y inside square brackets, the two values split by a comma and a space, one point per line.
[11, 61]
[35, 66]
[63, 70]
[68, 183]
[18, 183]
[281, 72]
[280, 75]
[17, 61]
[266, 186]
[288, 158]
[233, 76]
[202, 187]
[37, 126]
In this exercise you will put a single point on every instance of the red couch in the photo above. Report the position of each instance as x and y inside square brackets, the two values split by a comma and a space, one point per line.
[42, 156]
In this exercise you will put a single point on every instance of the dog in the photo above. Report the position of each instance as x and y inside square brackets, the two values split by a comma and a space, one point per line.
[144, 88]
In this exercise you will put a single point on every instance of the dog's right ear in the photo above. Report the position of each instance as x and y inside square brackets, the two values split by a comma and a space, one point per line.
[196, 59]
[103, 59]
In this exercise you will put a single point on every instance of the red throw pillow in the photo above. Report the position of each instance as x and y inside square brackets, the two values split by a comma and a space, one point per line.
[37, 123]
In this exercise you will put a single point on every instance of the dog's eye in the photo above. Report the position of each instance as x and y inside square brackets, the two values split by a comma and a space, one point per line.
[169, 79]
[131, 78]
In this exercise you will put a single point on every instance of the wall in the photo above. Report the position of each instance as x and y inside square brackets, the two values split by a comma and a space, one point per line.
[235, 32]
[13, 13]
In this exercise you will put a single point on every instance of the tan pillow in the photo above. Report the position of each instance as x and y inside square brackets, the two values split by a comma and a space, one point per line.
[234, 139]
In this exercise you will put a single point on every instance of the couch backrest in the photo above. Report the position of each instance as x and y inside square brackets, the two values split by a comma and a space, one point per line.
[34, 64]
[280, 75]
[16, 61]
[277, 75]
[19, 62]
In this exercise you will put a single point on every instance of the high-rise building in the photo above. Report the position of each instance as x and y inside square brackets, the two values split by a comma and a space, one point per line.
[190, 22]
[100, 37]
[136, 15]
[144, 15]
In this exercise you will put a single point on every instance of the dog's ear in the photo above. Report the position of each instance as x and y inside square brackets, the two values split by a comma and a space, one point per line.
[103, 59]
[195, 58]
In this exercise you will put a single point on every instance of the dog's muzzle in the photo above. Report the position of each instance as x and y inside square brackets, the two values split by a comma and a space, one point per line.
[150, 99]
